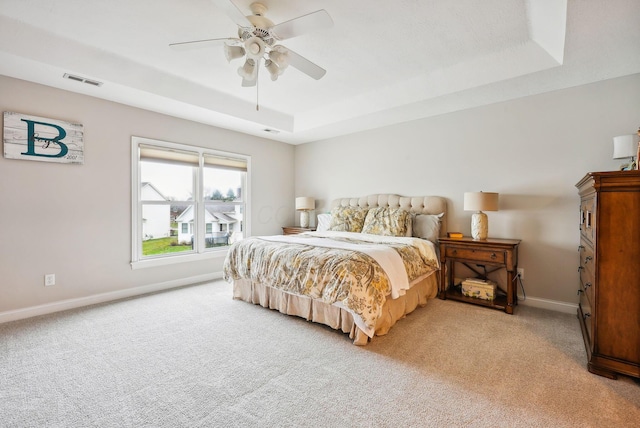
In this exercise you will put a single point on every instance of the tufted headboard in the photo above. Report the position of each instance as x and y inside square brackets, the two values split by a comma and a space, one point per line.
[414, 204]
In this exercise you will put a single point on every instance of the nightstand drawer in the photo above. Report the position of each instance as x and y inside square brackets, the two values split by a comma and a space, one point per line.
[294, 230]
[476, 255]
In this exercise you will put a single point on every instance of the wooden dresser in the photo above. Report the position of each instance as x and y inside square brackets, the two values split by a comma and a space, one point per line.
[609, 289]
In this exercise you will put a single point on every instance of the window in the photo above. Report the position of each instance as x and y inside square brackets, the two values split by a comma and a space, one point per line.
[187, 201]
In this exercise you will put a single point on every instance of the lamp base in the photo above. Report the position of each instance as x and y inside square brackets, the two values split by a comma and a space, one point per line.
[479, 226]
[304, 218]
[631, 166]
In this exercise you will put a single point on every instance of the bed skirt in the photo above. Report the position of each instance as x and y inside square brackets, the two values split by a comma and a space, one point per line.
[334, 316]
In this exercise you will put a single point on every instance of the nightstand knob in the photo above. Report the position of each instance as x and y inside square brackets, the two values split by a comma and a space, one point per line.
[493, 256]
[454, 252]
[580, 247]
[580, 268]
[587, 259]
[587, 285]
[579, 291]
[587, 315]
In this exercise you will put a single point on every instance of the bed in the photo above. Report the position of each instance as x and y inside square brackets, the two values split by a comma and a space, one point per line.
[372, 261]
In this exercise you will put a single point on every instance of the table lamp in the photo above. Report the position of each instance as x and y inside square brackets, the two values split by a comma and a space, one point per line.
[480, 201]
[304, 205]
[625, 146]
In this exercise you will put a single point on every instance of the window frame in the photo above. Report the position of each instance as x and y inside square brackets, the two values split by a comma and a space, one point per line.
[200, 252]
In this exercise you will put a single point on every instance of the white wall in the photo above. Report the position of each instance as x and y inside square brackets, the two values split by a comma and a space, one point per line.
[74, 220]
[531, 150]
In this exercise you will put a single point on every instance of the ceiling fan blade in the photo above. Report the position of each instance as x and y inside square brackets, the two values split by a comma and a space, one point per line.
[196, 44]
[306, 66]
[232, 11]
[303, 24]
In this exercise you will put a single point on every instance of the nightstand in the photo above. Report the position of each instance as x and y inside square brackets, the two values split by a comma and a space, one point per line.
[294, 230]
[491, 253]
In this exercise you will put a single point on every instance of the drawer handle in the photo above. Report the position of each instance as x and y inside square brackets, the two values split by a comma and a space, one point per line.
[579, 291]
[587, 259]
[580, 268]
[580, 248]
[454, 252]
[493, 256]
[587, 315]
[587, 285]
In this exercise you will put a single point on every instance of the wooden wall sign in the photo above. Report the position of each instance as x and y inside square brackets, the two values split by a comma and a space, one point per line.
[41, 139]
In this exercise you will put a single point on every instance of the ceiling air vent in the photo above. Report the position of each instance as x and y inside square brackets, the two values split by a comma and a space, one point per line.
[82, 79]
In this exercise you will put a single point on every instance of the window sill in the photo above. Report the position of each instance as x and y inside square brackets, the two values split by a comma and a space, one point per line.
[170, 260]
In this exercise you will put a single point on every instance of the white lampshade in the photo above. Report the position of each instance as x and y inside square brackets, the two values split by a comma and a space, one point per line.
[624, 146]
[480, 201]
[305, 204]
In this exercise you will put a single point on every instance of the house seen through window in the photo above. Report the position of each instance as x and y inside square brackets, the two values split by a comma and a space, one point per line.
[190, 200]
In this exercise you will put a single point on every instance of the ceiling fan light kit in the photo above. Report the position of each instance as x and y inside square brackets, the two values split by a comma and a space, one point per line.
[233, 52]
[248, 71]
[273, 69]
[279, 55]
[257, 38]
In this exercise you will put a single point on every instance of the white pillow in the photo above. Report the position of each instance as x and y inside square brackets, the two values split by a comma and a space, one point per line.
[324, 221]
[427, 226]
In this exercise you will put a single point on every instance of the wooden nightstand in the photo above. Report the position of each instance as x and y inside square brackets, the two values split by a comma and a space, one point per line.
[493, 253]
[294, 230]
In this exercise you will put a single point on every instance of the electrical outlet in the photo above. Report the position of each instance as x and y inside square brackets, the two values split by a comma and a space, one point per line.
[521, 273]
[49, 279]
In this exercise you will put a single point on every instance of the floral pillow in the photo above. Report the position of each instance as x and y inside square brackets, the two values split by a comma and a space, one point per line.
[386, 222]
[347, 219]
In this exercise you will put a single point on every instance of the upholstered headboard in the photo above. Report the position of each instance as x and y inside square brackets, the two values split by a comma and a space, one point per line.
[414, 204]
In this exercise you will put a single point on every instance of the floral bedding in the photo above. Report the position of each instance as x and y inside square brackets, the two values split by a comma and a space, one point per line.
[328, 272]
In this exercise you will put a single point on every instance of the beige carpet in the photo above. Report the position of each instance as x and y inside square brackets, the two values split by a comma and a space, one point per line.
[193, 357]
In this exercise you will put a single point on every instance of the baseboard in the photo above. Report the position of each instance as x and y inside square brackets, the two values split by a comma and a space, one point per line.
[64, 305]
[553, 305]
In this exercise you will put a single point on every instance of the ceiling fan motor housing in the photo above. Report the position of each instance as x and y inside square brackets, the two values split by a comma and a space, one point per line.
[255, 47]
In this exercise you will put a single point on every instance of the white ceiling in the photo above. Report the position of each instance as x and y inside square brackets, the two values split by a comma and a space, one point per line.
[387, 62]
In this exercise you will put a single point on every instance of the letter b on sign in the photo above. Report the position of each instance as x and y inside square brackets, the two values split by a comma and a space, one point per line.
[32, 136]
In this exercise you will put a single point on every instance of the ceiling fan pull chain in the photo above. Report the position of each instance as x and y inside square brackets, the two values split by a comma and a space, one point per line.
[257, 86]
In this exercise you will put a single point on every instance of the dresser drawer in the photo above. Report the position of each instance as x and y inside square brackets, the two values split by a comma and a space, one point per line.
[586, 318]
[587, 257]
[587, 284]
[588, 218]
[476, 255]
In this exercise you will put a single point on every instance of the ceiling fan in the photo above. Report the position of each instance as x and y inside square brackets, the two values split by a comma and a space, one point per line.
[257, 41]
